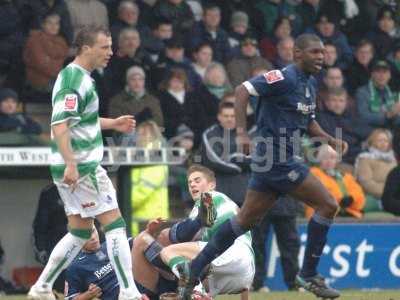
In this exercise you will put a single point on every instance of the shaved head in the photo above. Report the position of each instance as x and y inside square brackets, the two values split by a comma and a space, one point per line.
[304, 40]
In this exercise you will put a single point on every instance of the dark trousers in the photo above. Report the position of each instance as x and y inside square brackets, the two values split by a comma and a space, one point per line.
[288, 245]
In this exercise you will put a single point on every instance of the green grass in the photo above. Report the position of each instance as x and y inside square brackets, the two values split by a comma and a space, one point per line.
[347, 295]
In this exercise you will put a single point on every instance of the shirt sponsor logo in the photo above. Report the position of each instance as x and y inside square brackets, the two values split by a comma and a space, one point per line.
[273, 76]
[305, 109]
[70, 102]
[103, 271]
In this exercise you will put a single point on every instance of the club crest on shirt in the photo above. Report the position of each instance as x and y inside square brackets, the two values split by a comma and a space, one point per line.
[273, 76]
[70, 102]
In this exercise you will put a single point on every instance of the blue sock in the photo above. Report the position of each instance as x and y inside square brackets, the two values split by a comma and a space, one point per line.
[184, 231]
[317, 231]
[219, 242]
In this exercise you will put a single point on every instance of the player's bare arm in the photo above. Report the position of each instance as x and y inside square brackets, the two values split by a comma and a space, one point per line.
[124, 124]
[62, 137]
[241, 103]
[315, 130]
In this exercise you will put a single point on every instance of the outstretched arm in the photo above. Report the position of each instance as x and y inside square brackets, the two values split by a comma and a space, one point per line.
[123, 124]
[242, 100]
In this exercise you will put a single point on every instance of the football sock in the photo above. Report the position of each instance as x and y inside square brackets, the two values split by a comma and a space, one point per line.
[184, 231]
[220, 241]
[120, 256]
[62, 255]
[173, 262]
[317, 232]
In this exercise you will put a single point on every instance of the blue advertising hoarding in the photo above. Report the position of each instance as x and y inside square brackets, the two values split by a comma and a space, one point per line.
[356, 256]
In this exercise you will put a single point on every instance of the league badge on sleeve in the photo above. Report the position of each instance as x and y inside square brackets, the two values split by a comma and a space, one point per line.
[273, 76]
[70, 102]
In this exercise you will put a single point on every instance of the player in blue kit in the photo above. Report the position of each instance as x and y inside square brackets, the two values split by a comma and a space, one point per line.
[91, 274]
[285, 112]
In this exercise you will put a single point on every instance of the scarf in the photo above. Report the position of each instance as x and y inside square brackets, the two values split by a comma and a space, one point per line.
[375, 102]
[217, 91]
[135, 96]
[179, 96]
[339, 180]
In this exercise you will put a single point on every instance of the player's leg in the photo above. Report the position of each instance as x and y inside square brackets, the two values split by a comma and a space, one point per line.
[313, 193]
[119, 252]
[253, 210]
[62, 255]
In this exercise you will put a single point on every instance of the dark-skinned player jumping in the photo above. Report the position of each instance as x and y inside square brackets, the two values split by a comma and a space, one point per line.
[286, 111]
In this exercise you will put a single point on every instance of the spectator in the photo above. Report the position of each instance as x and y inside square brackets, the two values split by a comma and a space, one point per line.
[14, 122]
[88, 12]
[336, 116]
[239, 69]
[373, 166]
[332, 79]
[395, 63]
[155, 43]
[178, 12]
[282, 30]
[239, 28]
[174, 58]
[44, 55]
[129, 53]
[282, 217]
[343, 187]
[135, 100]
[386, 33]
[204, 104]
[377, 105]
[307, 11]
[10, 44]
[284, 55]
[33, 12]
[209, 30]
[391, 191]
[359, 73]
[202, 58]
[219, 152]
[326, 29]
[331, 55]
[173, 97]
[49, 226]
[149, 190]
[128, 16]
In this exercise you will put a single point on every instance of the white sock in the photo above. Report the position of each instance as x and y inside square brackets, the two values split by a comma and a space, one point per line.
[61, 256]
[121, 260]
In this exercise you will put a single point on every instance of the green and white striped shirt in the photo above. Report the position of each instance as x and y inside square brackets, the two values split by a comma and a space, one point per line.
[75, 100]
[225, 208]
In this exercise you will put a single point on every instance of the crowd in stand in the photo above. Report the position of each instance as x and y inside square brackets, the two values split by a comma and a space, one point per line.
[176, 61]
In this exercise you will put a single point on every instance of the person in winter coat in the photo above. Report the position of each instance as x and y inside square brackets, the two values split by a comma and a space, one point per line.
[373, 166]
[342, 186]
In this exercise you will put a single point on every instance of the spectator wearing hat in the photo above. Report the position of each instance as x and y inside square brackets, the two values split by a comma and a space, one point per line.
[284, 54]
[239, 28]
[202, 57]
[128, 17]
[135, 100]
[129, 53]
[377, 104]
[239, 68]
[282, 30]
[12, 121]
[174, 57]
[209, 30]
[178, 12]
[326, 27]
[174, 99]
[386, 33]
[359, 71]
[44, 54]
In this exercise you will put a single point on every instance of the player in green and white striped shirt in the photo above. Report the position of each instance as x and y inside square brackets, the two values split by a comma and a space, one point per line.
[77, 150]
[233, 271]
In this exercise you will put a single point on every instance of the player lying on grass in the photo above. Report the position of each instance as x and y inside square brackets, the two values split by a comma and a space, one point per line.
[233, 271]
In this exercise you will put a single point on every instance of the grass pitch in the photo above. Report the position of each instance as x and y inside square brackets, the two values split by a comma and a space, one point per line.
[346, 295]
